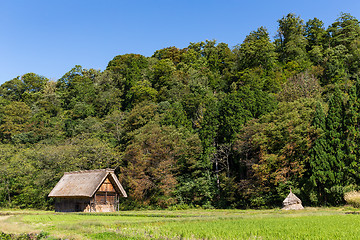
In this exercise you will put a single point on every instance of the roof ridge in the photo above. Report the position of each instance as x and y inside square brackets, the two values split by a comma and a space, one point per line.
[89, 171]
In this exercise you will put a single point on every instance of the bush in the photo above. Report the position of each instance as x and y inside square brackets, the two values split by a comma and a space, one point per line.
[353, 198]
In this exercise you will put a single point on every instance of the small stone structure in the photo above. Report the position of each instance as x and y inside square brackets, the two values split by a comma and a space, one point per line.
[88, 191]
[292, 202]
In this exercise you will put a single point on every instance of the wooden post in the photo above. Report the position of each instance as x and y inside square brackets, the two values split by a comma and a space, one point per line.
[91, 203]
[95, 202]
[117, 201]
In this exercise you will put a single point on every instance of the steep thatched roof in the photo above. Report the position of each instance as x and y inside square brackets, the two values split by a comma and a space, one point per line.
[85, 183]
[292, 202]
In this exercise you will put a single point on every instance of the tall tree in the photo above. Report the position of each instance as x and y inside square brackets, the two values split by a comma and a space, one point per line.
[239, 107]
[334, 138]
[290, 41]
[345, 31]
[315, 34]
[351, 136]
[320, 171]
[257, 50]
[128, 70]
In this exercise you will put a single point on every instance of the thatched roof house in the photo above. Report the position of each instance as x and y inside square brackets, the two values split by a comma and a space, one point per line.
[88, 191]
[292, 202]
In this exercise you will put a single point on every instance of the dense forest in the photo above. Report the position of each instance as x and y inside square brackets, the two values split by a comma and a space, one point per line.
[207, 125]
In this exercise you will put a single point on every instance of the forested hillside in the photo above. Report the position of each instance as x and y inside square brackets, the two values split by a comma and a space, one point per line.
[208, 125]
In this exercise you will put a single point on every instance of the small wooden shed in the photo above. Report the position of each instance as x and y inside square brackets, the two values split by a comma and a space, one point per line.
[88, 191]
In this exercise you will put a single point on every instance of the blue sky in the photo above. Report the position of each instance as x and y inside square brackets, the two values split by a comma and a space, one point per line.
[49, 37]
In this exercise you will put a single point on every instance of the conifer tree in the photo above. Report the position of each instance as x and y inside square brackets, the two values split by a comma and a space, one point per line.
[351, 135]
[319, 166]
[334, 138]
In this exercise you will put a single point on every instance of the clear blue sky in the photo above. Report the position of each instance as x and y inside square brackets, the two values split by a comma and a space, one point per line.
[49, 37]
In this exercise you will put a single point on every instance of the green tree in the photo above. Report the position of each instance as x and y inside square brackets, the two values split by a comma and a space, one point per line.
[256, 51]
[13, 89]
[351, 136]
[108, 96]
[219, 57]
[7, 151]
[334, 138]
[161, 78]
[15, 120]
[290, 41]
[172, 53]
[335, 62]
[210, 126]
[142, 91]
[175, 115]
[26, 88]
[128, 70]
[239, 107]
[76, 91]
[344, 30]
[345, 33]
[320, 171]
[315, 34]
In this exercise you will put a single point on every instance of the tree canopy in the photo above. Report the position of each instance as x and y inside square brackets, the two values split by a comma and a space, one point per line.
[206, 125]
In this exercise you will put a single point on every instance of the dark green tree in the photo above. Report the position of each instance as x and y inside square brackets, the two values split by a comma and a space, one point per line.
[351, 136]
[320, 171]
[334, 137]
[239, 107]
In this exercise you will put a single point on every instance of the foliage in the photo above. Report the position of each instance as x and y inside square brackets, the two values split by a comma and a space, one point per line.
[290, 40]
[277, 147]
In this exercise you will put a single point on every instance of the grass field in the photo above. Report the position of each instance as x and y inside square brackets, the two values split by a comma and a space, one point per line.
[311, 223]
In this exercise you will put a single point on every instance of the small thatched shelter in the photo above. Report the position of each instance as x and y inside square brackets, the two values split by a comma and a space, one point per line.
[88, 191]
[292, 202]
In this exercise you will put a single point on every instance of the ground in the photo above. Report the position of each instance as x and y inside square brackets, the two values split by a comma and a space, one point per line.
[310, 223]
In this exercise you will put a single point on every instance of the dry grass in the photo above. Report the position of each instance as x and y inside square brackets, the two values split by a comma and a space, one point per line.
[353, 198]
